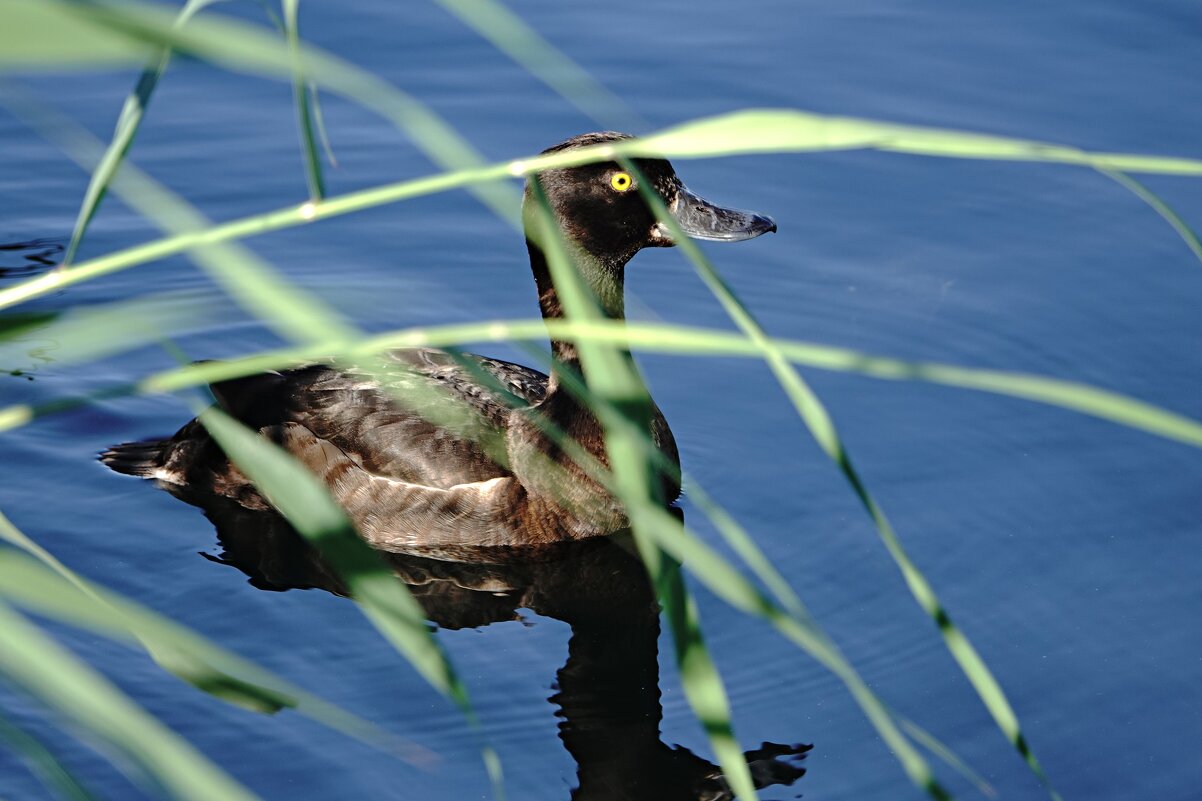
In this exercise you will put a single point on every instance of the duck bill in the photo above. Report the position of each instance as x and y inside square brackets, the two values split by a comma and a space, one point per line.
[701, 219]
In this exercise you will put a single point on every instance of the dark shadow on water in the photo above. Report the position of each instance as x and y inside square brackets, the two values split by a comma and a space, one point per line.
[22, 259]
[607, 693]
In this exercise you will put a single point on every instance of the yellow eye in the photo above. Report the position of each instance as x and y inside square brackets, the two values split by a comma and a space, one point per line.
[621, 181]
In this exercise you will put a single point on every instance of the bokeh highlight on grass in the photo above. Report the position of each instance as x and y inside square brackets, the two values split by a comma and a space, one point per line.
[87, 36]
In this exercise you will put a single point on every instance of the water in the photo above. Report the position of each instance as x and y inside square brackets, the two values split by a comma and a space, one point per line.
[1064, 546]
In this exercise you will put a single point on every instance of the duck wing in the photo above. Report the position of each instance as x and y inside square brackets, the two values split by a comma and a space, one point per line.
[422, 416]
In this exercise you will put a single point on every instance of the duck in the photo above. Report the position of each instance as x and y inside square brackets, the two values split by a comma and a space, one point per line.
[429, 449]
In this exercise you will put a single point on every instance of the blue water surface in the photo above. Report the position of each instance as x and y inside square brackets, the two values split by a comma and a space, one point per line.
[1067, 548]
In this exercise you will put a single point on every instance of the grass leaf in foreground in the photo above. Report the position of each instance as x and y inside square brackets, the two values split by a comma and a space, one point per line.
[123, 136]
[54, 591]
[723, 135]
[612, 377]
[1158, 205]
[308, 506]
[42, 763]
[52, 674]
[821, 426]
[300, 95]
[47, 35]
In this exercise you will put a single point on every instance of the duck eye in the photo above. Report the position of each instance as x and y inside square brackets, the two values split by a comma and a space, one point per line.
[621, 181]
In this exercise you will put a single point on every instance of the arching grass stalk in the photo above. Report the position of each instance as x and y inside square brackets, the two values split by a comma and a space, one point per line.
[43, 763]
[665, 339]
[56, 591]
[300, 98]
[1158, 205]
[506, 31]
[612, 377]
[307, 504]
[123, 136]
[821, 426]
[250, 284]
[58, 679]
[302, 317]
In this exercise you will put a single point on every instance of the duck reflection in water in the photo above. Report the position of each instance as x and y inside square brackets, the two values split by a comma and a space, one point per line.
[608, 695]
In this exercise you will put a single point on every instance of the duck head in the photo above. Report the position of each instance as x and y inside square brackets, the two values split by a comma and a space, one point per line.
[602, 213]
[606, 220]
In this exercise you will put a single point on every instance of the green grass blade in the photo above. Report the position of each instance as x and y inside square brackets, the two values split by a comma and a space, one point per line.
[301, 214]
[37, 35]
[307, 504]
[249, 279]
[319, 121]
[52, 674]
[790, 616]
[821, 426]
[690, 341]
[728, 584]
[512, 36]
[304, 114]
[700, 680]
[684, 340]
[56, 591]
[1160, 207]
[787, 130]
[243, 47]
[929, 742]
[43, 763]
[127, 128]
[612, 377]
[86, 333]
[22, 324]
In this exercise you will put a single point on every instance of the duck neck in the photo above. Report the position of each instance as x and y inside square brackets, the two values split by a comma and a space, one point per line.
[603, 275]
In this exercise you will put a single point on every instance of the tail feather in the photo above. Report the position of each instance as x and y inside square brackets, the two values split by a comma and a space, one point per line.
[144, 458]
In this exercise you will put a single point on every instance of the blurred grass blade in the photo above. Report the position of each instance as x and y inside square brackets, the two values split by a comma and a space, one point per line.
[708, 698]
[86, 333]
[250, 280]
[308, 506]
[686, 340]
[36, 34]
[301, 214]
[21, 324]
[57, 592]
[928, 741]
[123, 136]
[240, 46]
[52, 674]
[512, 36]
[790, 617]
[43, 763]
[699, 677]
[613, 378]
[300, 94]
[243, 47]
[821, 426]
[788, 130]
[728, 584]
[320, 122]
[683, 340]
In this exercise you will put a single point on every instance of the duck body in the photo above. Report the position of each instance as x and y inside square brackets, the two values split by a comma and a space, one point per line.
[426, 449]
